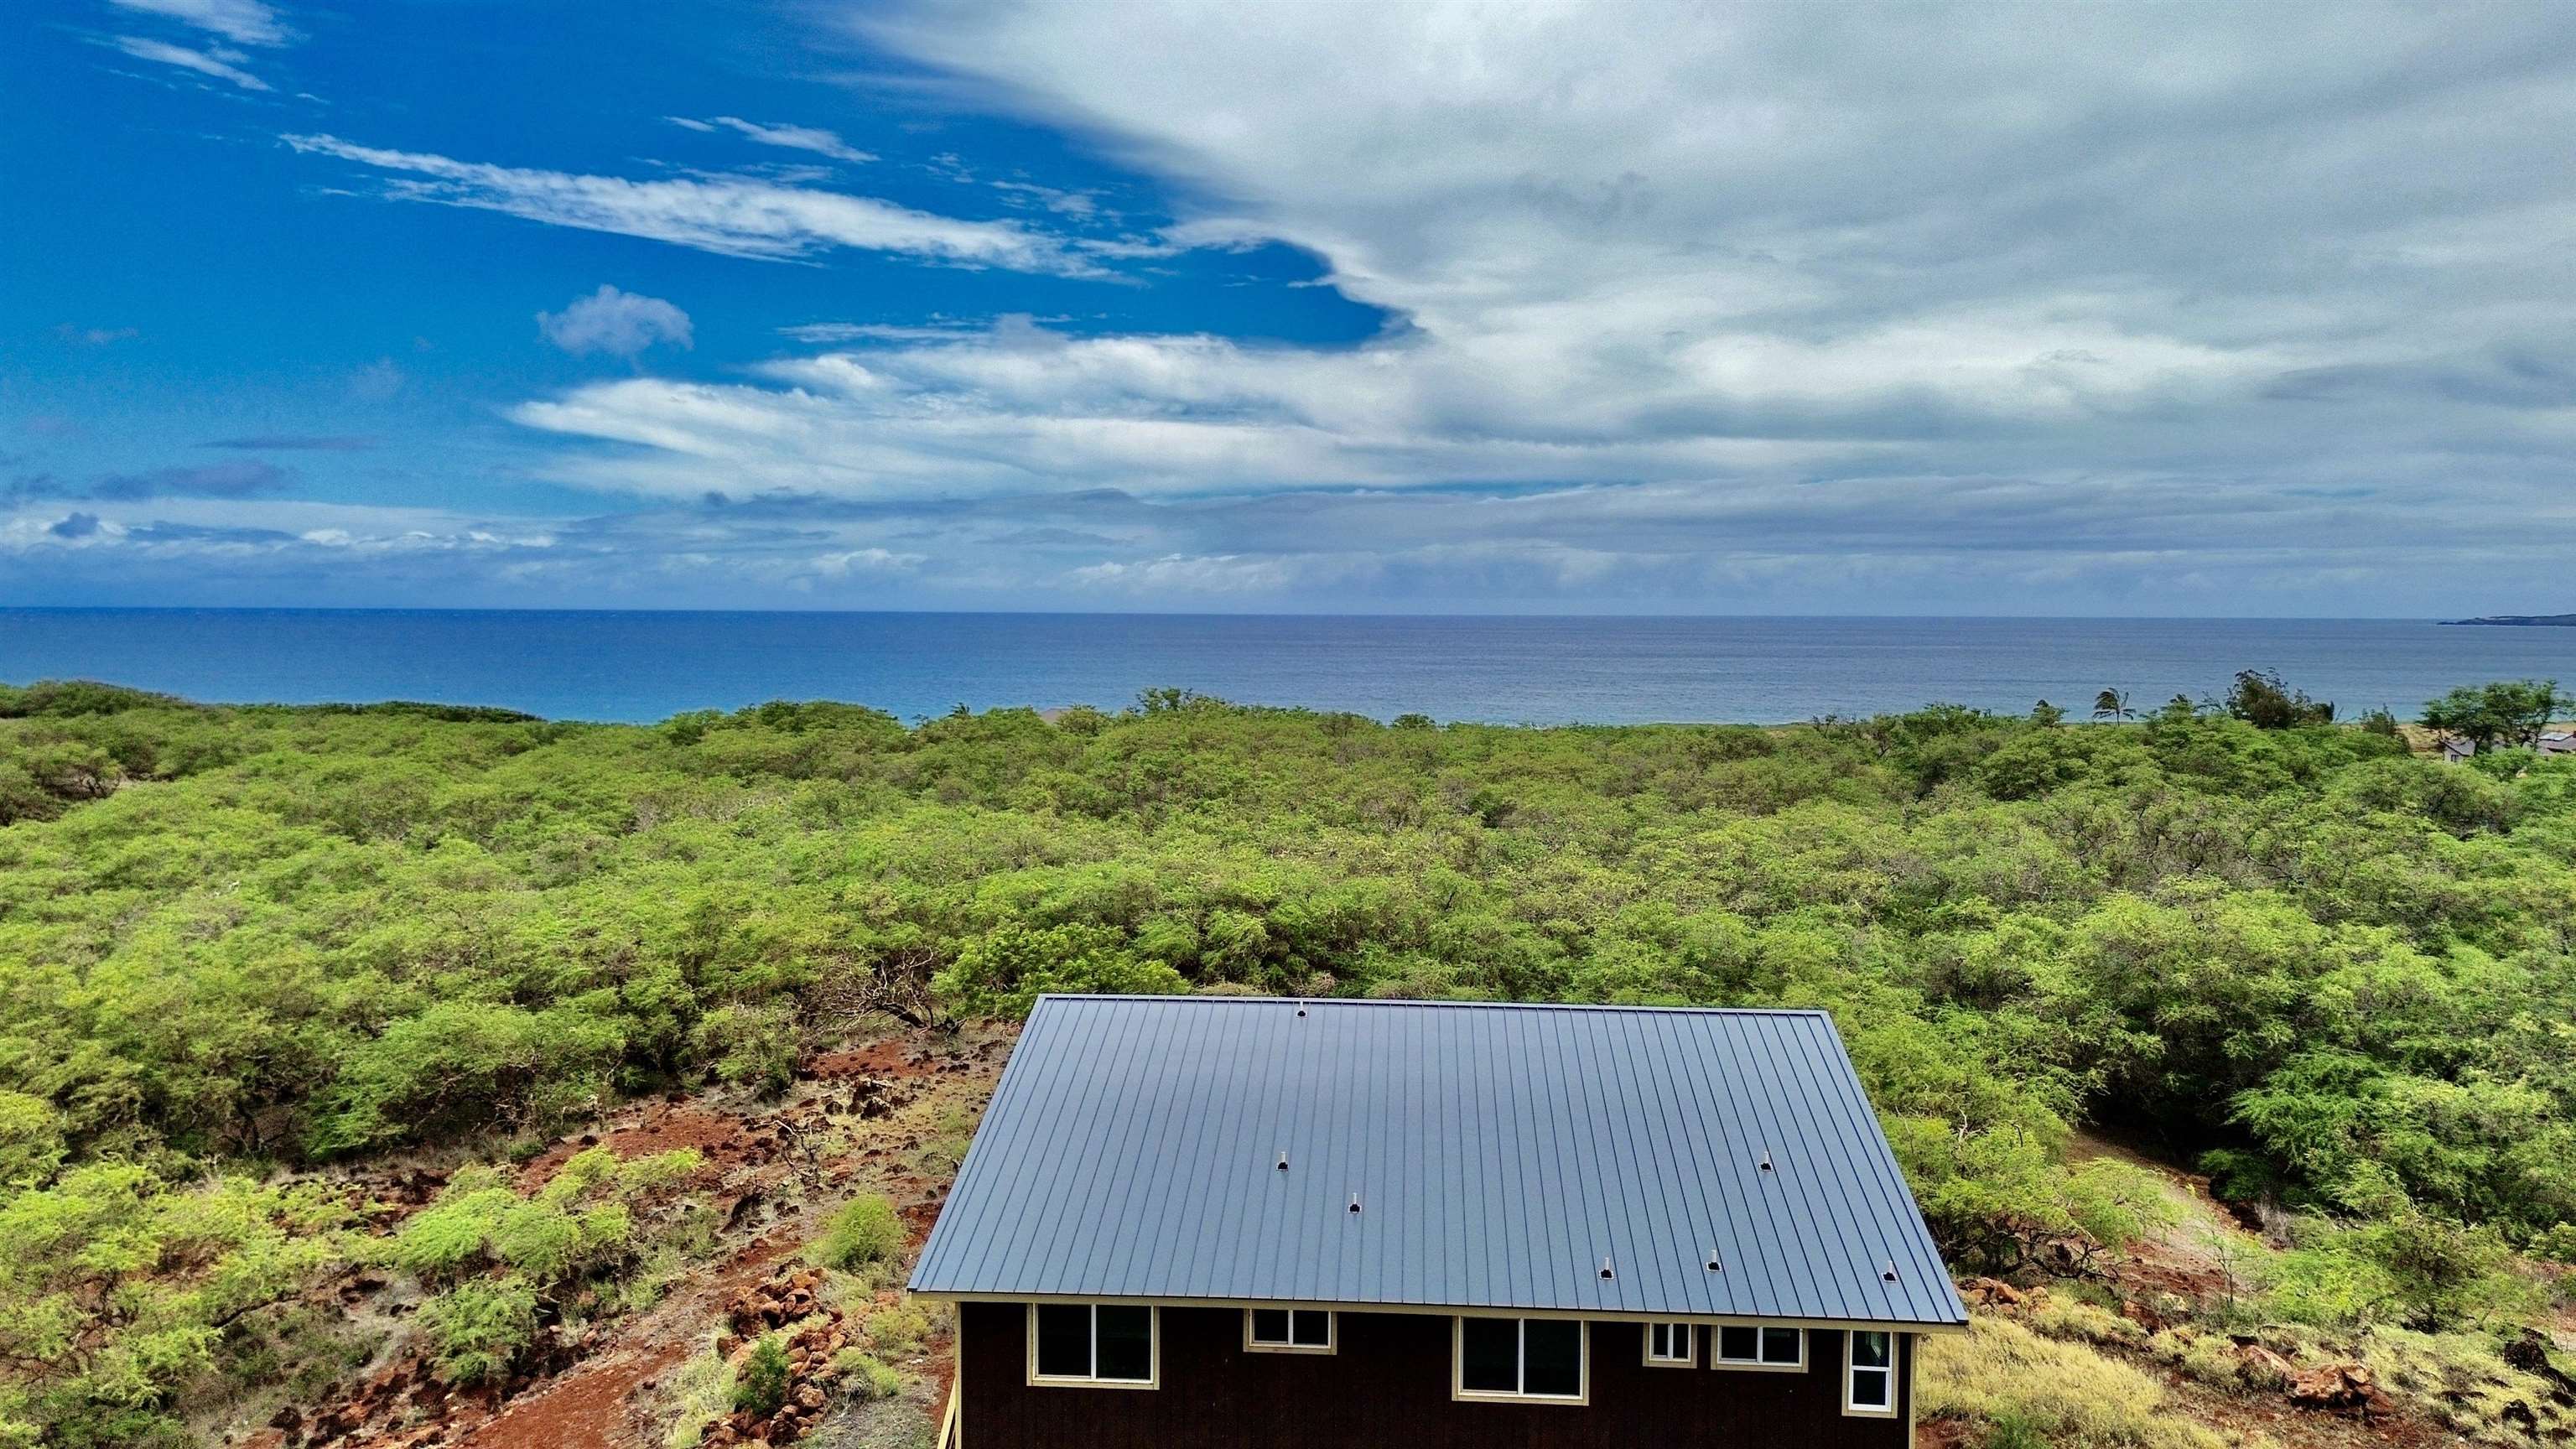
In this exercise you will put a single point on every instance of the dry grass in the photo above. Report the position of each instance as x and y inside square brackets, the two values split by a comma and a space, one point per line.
[702, 1394]
[2015, 1387]
[2461, 1382]
[2075, 1320]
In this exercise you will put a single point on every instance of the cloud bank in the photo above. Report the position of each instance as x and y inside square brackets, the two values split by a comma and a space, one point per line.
[2184, 309]
[1760, 304]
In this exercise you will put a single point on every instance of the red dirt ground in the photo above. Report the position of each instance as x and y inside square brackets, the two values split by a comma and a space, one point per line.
[663, 1129]
[891, 1057]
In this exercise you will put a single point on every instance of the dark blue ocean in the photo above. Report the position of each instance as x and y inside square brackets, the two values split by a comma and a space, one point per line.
[645, 666]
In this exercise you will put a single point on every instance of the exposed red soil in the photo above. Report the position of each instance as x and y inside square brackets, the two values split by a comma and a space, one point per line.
[723, 1140]
[891, 1057]
[590, 1408]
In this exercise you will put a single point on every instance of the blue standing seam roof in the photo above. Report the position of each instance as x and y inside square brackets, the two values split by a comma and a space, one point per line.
[1500, 1155]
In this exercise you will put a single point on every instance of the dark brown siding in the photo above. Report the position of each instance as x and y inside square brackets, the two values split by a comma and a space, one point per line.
[1389, 1386]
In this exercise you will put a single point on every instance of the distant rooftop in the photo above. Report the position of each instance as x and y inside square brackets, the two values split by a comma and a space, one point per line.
[1474, 1155]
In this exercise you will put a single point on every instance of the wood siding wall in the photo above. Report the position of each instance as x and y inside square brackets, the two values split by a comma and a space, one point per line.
[1389, 1385]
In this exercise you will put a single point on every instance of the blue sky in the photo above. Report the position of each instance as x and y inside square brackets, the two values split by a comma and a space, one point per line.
[2150, 310]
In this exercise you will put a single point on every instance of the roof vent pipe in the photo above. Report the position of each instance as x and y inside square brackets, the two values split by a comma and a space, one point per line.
[1716, 1262]
[1888, 1273]
[1606, 1274]
[1283, 1160]
[1355, 1202]
[1766, 1162]
[1301, 1008]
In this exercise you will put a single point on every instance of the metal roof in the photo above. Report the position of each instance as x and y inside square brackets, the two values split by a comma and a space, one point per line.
[1499, 1155]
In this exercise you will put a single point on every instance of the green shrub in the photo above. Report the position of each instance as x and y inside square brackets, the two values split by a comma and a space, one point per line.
[577, 1222]
[760, 1385]
[867, 1230]
[899, 1328]
[476, 1330]
[2012, 1429]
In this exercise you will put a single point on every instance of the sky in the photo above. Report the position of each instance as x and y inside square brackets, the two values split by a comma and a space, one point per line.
[1172, 306]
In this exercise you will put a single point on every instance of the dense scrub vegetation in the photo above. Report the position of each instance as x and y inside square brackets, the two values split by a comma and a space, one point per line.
[234, 940]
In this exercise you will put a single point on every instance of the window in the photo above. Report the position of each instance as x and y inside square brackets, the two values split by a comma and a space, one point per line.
[1106, 1344]
[1521, 1358]
[1670, 1345]
[1288, 1330]
[1870, 1386]
[1760, 1345]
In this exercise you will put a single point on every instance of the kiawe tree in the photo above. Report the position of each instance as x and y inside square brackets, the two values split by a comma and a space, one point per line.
[2503, 712]
[2261, 699]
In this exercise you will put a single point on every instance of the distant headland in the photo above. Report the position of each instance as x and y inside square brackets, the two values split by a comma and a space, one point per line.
[2561, 621]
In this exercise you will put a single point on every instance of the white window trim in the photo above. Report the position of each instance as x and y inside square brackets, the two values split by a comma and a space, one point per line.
[1689, 1357]
[1459, 1391]
[1153, 1352]
[1332, 1333]
[1852, 1372]
[1717, 1349]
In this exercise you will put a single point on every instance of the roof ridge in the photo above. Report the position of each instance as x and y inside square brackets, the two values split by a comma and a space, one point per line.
[1639, 1007]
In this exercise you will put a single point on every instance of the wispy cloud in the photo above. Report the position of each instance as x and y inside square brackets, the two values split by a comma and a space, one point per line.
[296, 443]
[246, 479]
[795, 138]
[1066, 203]
[95, 336]
[620, 324]
[379, 381]
[219, 63]
[243, 22]
[730, 216]
[837, 332]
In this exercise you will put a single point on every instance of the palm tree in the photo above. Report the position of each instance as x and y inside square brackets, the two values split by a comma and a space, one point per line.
[2112, 704]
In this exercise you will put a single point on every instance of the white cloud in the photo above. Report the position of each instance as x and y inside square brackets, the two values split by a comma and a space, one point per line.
[867, 561]
[731, 216]
[794, 138]
[379, 381]
[620, 324]
[221, 64]
[243, 22]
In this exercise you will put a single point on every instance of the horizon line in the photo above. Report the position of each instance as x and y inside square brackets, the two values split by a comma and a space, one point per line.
[1224, 613]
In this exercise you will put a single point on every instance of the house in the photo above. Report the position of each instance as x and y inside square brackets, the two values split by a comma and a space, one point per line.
[1258, 1222]
[2550, 742]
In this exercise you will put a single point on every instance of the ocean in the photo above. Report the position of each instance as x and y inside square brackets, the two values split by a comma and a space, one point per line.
[647, 666]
